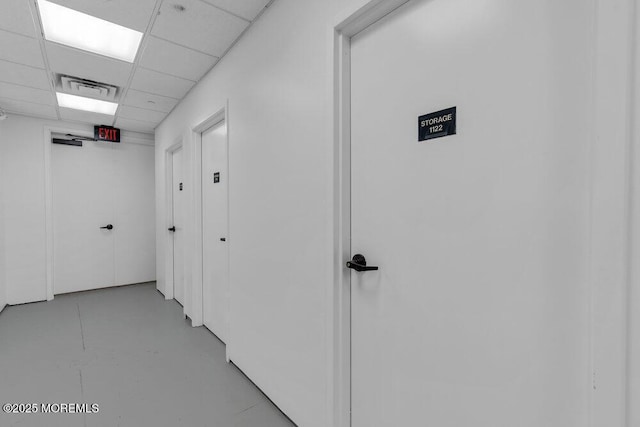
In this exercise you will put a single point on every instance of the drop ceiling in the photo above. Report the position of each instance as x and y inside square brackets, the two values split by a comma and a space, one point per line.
[183, 40]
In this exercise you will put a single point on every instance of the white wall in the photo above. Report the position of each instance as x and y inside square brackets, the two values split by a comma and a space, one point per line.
[278, 83]
[22, 171]
[22, 165]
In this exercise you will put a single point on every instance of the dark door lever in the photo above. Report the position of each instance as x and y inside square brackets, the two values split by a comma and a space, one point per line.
[359, 263]
[223, 239]
[107, 227]
[172, 229]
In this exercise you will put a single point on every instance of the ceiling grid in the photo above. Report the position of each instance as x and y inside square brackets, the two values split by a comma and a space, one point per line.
[181, 41]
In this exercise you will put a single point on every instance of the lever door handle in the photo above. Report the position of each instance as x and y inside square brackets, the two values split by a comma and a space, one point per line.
[223, 239]
[359, 263]
[107, 227]
[172, 229]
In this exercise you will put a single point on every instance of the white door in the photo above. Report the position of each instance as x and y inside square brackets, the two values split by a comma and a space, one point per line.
[178, 226]
[477, 315]
[95, 186]
[134, 181]
[215, 185]
[83, 205]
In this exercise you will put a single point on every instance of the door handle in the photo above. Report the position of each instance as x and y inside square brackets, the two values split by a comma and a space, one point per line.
[107, 227]
[223, 239]
[359, 263]
[172, 229]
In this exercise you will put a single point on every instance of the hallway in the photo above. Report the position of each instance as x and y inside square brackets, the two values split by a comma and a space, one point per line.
[131, 352]
[339, 213]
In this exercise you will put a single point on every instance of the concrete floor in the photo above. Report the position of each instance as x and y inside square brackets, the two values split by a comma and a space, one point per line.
[131, 352]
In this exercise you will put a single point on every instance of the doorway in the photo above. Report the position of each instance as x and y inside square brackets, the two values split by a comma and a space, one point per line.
[477, 312]
[102, 199]
[215, 252]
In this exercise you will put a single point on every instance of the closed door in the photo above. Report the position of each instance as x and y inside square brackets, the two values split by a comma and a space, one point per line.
[178, 226]
[103, 215]
[83, 216]
[215, 184]
[477, 314]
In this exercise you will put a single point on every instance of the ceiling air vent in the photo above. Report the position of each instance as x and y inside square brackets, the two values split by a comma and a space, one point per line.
[88, 88]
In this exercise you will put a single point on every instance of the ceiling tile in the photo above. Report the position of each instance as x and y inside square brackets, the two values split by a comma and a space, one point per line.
[15, 15]
[170, 58]
[11, 72]
[160, 84]
[199, 26]
[248, 9]
[140, 114]
[23, 93]
[22, 49]
[131, 14]
[149, 101]
[28, 108]
[85, 117]
[86, 65]
[135, 125]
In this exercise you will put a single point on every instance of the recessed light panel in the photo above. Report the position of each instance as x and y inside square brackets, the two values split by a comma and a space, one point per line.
[86, 104]
[76, 29]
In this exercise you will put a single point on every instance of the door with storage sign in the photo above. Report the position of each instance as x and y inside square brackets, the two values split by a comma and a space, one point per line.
[476, 313]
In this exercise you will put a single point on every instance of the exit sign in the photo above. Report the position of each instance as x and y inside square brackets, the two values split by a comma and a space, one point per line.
[106, 133]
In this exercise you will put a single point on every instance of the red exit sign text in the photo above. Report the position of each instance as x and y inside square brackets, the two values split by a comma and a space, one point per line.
[106, 133]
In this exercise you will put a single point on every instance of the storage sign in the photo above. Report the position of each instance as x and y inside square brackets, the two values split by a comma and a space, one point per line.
[106, 133]
[438, 124]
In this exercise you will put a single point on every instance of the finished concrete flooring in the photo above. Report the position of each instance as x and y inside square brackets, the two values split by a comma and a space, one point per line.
[131, 352]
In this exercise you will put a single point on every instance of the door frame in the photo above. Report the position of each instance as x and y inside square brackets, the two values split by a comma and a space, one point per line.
[215, 120]
[347, 25]
[196, 300]
[613, 271]
[169, 255]
[48, 130]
